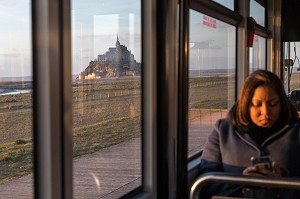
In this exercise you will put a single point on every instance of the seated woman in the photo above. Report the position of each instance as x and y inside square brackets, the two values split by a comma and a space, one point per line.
[262, 122]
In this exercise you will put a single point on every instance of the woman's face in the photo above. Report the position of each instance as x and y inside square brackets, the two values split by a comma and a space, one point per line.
[265, 107]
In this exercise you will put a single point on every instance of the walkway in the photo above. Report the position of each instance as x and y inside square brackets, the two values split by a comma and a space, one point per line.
[93, 173]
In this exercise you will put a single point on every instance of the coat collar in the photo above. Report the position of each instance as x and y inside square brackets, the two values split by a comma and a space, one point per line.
[245, 137]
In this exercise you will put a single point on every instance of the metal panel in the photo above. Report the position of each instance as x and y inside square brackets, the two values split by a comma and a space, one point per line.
[183, 85]
[167, 43]
[52, 115]
[149, 97]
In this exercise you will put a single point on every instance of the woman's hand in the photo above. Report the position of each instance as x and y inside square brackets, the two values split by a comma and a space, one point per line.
[258, 171]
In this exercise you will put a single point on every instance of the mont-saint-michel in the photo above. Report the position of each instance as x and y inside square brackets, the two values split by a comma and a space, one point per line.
[116, 62]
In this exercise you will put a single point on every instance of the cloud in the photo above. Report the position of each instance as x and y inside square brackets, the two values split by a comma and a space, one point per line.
[10, 54]
[8, 4]
[208, 44]
[91, 7]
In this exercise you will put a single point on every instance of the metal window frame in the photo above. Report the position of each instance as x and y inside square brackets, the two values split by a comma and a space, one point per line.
[183, 101]
[167, 86]
[235, 18]
[52, 110]
[274, 44]
[263, 3]
[217, 11]
[52, 99]
[149, 100]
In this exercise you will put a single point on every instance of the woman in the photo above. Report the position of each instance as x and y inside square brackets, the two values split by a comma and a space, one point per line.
[262, 122]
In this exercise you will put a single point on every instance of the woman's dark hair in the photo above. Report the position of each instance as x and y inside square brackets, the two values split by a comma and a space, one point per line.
[239, 114]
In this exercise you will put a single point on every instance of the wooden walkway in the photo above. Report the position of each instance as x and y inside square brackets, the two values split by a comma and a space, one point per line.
[105, 174]
[109, 173]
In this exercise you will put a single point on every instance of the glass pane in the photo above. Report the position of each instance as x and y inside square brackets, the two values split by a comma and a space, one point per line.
[257, 12]
[212, 75]
[257, 54]
[292, 71]
[16, 179]
[106, 64]
[227, 3]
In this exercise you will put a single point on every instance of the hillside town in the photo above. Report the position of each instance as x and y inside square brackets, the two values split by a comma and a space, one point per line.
[116, 62]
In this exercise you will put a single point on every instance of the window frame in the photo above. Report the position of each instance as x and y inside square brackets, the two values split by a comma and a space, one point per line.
[52, 110]
[238, 18]
[164, 128]
[52, 105]
[233, 18]
[215, 10]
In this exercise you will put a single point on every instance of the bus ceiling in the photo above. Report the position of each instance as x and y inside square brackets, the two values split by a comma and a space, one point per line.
[290, 20]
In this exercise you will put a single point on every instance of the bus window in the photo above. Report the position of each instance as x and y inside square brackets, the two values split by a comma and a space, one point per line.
[226, 3]
[257, 54]
[211, 75]
[106, 64]
[293, 54]
[257, 11]
[16, 100]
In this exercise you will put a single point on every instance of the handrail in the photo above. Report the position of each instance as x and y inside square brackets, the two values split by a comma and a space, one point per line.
[222, 177]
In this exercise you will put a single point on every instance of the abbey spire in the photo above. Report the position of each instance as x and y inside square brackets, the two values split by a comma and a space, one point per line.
[117, 42]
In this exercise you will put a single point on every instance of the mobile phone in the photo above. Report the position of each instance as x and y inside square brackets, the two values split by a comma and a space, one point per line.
[262, 162]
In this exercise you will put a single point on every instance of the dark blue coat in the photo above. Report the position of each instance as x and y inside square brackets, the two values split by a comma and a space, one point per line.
[230, 150]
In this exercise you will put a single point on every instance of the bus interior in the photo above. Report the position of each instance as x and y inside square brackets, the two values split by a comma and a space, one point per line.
[115, 99]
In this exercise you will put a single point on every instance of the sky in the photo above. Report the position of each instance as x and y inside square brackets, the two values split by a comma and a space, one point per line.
[97, 23]
[15, 38]
[95, 29]
[95, 26]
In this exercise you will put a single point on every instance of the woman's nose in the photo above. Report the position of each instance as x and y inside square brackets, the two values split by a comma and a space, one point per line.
[265, 109]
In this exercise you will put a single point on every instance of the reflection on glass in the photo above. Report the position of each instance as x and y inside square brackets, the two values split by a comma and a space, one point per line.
[257, 12]
[257, 54]
[16, 179]
[106, 64]
[211, 74]
[227, 3]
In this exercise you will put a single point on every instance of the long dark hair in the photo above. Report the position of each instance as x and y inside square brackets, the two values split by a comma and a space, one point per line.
[239, 114]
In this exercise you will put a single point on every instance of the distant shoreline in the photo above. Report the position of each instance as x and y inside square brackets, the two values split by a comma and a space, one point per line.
[14, 92]
[74, 76]
[21, 85]
[16, 79]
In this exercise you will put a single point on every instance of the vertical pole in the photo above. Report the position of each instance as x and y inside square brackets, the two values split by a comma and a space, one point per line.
[183, 82]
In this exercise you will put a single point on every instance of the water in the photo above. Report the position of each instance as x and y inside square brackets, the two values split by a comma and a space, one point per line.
[14, 91]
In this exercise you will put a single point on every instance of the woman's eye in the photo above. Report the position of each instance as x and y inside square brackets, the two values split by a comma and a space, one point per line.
[256, 104]
[273, 103]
